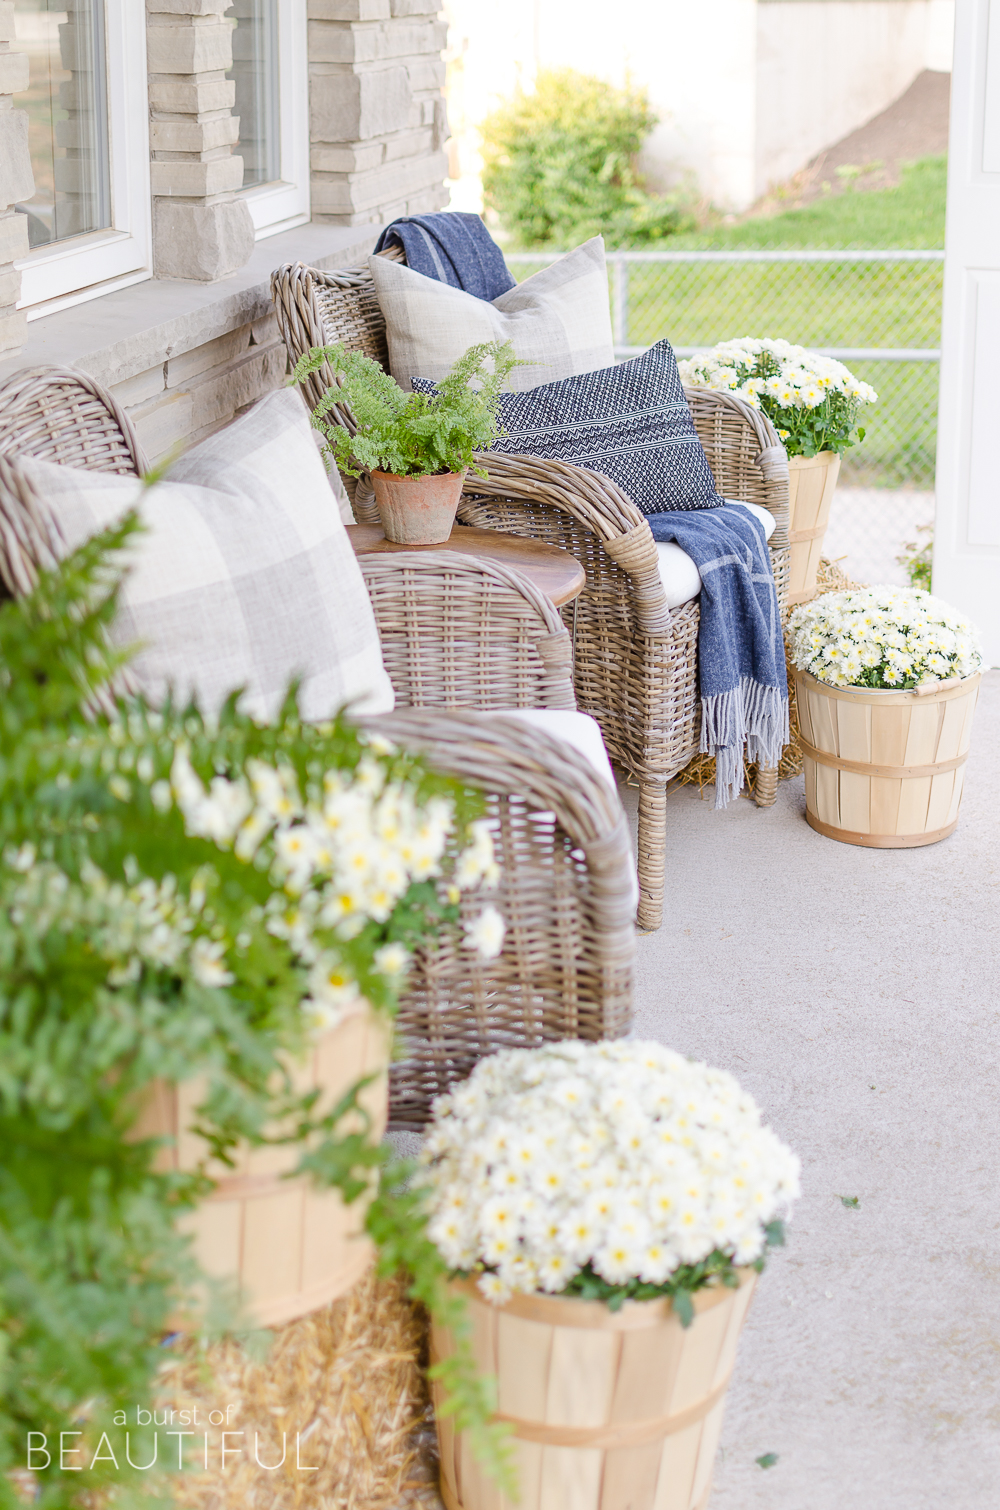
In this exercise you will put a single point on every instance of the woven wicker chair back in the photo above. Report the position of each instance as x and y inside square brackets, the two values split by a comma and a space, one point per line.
[57, 414]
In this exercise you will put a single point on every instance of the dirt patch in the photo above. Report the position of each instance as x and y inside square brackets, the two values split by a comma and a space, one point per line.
[914, 126]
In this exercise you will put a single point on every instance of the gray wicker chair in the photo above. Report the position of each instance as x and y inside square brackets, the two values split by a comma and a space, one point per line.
[455, 633]
[635, 660]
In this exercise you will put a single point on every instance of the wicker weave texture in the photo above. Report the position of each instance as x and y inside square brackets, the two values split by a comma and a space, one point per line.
[57, 414]
[457, 633]
[453, 629]
[635, 661]
[566, 968]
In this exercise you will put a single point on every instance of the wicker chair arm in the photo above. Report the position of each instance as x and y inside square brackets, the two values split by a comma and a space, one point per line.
[64, 416]
[464, 633]
[498, 754]
[747, 458]
[596, 503]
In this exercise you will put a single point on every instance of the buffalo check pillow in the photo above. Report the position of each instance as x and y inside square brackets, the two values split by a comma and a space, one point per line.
[559, 319]
[244, 576]
[630, 421]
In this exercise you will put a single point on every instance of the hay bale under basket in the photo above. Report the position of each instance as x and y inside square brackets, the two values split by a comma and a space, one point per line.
[700, 769]
[346, 1386]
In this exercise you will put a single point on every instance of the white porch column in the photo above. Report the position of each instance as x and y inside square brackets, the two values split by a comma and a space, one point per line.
[967, 528]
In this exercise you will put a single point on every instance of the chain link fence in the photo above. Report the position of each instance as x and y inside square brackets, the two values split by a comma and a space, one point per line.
[878, 311]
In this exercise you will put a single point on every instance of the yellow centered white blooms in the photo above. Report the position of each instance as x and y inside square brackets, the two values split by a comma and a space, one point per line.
[622, 1155]
[337, 860]
[336, 863]
[882, 637]
[800, 379]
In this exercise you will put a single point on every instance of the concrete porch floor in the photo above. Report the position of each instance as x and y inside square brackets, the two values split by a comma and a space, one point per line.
[856, 994]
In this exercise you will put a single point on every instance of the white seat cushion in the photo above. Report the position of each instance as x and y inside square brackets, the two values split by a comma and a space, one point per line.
[244, 577]
[558, 319]
[680, 577]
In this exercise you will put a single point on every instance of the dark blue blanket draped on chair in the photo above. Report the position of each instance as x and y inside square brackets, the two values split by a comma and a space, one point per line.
[741, 649]
[453, 247]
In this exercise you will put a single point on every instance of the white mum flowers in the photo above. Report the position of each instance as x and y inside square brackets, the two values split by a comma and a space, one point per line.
[622, 1156]
[882, 637]
[814, 401]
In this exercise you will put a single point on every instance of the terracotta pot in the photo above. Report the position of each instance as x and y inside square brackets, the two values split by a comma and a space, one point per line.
[417, 510]
[289, 1246]
[811, 484]
[884, 769]
[615, 1409]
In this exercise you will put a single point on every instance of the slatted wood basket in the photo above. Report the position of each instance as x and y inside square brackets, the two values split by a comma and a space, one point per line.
[609, 1410]
[811, 484]
[289, 1246]
[884, 769]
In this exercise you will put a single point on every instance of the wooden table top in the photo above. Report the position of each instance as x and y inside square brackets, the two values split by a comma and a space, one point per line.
[552, 569]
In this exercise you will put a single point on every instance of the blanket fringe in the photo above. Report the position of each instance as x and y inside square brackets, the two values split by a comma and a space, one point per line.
[750, 715]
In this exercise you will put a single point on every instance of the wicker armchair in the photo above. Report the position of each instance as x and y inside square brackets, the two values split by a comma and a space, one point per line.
[455, 633]
[635, 660]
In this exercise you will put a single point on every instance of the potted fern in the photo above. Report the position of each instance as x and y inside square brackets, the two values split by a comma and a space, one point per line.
[416, 447]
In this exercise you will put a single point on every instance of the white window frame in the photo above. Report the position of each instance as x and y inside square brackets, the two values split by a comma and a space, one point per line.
[278, 206]
[83, 267]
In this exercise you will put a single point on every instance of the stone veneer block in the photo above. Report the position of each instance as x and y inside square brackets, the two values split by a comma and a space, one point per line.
[191, 180]
[13, 72]
[186, 365]
[372, 43]
[348, 10]
[13, 236]
[356, 107]
[368, 191]
[176, 95]
[188, 7]
[358, 158]
[16, 178]
[13, 328]
[140, 388]
[415, 7]
[202, 241]
[10, 286]
[201, 46]
[6, 20]
[194, 136]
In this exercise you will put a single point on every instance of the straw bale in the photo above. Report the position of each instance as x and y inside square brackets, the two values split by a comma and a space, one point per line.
[346, 1386]
[700, 770]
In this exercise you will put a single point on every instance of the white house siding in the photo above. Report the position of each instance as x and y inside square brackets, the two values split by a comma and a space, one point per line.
[747, 90]
[825, 67]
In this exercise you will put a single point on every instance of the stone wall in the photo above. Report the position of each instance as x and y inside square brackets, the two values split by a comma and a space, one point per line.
[200, 229]
[377, 115]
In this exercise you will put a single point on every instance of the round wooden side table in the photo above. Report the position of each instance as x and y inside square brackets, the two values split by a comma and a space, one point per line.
[553, 570]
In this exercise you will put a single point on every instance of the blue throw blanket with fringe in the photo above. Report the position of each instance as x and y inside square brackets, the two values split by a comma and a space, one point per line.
[741, 651]
[453, 247]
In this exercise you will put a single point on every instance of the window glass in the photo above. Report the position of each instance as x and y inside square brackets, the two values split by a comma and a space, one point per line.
[255, 71]
[66, 102]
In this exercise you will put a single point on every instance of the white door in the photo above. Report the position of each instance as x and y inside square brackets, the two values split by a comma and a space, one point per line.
[967, 526]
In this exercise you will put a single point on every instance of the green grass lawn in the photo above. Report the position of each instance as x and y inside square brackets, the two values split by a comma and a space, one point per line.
[911, 215]
[838, 304]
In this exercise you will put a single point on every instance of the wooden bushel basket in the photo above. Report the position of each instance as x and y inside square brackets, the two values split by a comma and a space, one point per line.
[290, 1246]
[811, 484]
[610, 1410]
[884, 769]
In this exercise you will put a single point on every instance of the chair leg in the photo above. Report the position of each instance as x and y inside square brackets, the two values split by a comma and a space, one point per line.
[652, 848]
[765, 787]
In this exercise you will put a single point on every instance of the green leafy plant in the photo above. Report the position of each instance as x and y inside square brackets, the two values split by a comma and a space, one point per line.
[154, 925]
[409, 434]
[560, 165]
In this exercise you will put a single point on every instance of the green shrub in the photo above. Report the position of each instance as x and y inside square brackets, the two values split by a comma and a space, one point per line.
[560, 165]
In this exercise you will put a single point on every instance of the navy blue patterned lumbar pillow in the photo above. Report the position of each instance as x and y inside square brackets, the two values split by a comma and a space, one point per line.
[630, 421]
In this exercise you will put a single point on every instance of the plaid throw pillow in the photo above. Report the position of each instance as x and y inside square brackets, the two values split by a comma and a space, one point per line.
[630, 422]
[244, 576]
